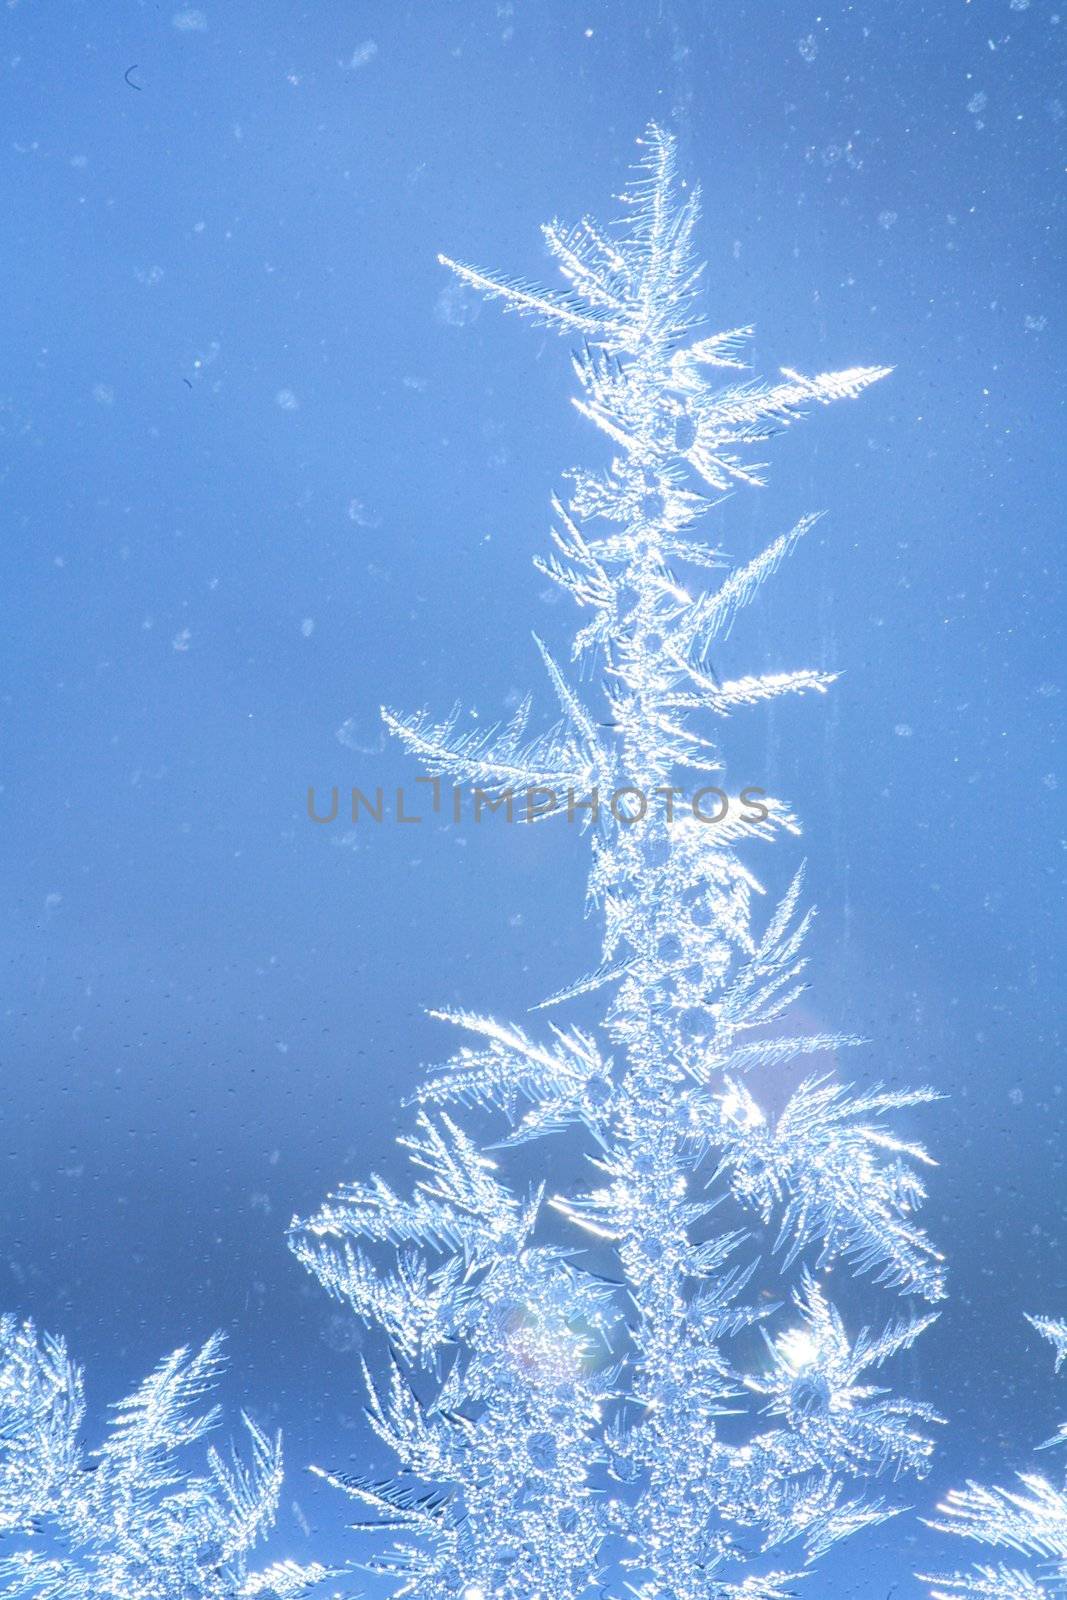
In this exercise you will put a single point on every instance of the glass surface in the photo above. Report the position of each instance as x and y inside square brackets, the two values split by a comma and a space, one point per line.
[266, 467]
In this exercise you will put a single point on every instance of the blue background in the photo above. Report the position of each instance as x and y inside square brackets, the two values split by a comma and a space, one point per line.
[239, 397]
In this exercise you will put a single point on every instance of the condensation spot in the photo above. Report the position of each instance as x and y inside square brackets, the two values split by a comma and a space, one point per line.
[362, 516]
[361, 55]
[342, 1334]
[286, 400]
[807, 48]
[189, 20]
[456, 306]
[350, 735]
[207, 357]
[834, 153]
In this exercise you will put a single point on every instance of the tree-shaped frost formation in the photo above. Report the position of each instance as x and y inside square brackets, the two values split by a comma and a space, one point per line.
[1030, 1521]
[130, 1520]
[593, 1392]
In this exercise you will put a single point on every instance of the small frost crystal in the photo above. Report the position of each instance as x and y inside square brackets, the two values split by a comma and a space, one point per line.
[640, 1384]
[1029, 1521]
[130, 1520]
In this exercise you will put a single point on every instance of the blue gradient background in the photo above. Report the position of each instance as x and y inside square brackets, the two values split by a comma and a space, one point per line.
[211, 1008]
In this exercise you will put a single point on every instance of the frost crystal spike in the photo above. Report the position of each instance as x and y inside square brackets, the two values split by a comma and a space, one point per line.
[132, 1520]
[640, 1386]
[1029, 1520]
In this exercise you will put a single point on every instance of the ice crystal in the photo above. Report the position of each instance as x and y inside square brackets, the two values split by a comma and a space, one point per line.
[1030, 1521]
[600, 1388]
[130, 1520]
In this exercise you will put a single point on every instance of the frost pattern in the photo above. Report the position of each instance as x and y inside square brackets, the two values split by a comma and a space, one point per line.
[130, 1521]
[593, 1383]
[1030, 1521]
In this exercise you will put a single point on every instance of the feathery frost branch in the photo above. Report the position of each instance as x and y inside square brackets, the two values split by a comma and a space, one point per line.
[1030, 1521]
[131, 1520]
[560, 1375]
